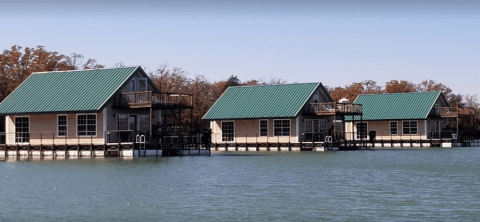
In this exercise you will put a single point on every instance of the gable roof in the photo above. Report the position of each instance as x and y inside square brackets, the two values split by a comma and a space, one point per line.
[269, 101]
[397, 106]
[66, 91]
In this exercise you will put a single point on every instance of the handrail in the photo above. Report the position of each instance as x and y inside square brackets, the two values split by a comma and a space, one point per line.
[333, 107]
[454, 111]
[150, 98]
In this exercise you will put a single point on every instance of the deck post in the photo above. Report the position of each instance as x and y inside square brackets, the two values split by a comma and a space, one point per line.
[246, 142]
[78, 146]
[91, 145]
[150, 123]
[41, 143]
[53, 145]
[457, 124]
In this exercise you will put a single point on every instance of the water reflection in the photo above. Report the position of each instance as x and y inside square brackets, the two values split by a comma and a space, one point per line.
[426, 184]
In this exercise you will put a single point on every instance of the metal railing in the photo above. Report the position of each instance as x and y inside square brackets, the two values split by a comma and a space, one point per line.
[148, 98]
[338, 137]
[67, 138]
[103, 137]
[333, 107]
[454, 111]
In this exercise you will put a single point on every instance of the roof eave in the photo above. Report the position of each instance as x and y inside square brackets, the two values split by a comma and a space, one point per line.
[105, 102]
[310, 96]
[433, 104]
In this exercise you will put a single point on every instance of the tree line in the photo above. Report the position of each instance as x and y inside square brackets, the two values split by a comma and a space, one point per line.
[16, 65]
[402, 86]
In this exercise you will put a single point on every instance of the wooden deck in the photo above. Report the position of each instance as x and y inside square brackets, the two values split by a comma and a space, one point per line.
[333, 108]
[149, 99]
[104, 150]
[454, 112]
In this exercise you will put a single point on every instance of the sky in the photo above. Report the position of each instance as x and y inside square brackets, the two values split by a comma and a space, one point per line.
[333, 42]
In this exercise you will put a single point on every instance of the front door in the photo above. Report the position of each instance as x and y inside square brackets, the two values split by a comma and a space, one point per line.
[438, 130]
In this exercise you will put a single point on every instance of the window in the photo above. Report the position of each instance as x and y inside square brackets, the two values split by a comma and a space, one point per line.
[393, 128]
[281, 127]
[131, 86]
[263, 127]
[62, 125]
[228, 131]
[122, 122]
[86, 125]
[144, 123]
[410, 127]
[22, 129]
[142, 84]
[362, 129]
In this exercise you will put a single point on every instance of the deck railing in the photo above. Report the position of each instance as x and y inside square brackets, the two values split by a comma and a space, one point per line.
[148, 98]
[336, 108]
[454, 111]
[100, 137]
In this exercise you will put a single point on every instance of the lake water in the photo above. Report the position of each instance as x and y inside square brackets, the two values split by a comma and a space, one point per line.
[390, 185]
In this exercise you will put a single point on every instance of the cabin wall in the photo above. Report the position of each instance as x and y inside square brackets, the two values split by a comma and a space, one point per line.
[382, 129]
[319, 96]
[111, 118]
[248, 131]
[302, 126]
[43, 130]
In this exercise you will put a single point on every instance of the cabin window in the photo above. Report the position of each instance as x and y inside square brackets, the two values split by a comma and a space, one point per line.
[62, 125]
[144, 123]
[122, 122]
[362, 129]
[393, 128]
[281, 127]
[263, 127]
[131, 86]
[86, 125]
[142, 84]
[22, 129]
[410, 127]
[228, 131]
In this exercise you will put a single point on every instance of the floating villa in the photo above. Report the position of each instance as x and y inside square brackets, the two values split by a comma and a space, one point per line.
[91, 113]
[287, 116]
[408, 119]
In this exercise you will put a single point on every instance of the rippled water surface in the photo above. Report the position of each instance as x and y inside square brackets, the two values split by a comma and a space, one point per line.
[427, 184]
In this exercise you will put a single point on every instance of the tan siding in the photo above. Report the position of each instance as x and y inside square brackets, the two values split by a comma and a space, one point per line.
[382, 129]
[248, 131]
[43, 129]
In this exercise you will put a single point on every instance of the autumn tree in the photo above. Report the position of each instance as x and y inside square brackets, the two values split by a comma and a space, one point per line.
[402, 86]
[351, 91]
[16, 65]
[170, 80]
[92, 64]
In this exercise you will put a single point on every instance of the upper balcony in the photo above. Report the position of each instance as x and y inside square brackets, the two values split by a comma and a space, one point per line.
[333, 108]
[151, 99]
[454, 112]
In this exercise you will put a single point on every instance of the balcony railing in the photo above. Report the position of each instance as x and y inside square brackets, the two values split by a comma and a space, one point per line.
[454, 111]
[332, 108]
[149, 98]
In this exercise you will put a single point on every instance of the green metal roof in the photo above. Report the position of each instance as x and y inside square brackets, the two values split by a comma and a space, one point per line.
[66, 91]
[270, 101]
[397, 106]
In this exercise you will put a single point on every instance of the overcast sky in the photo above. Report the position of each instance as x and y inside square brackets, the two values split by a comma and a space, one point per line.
[333, 42]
